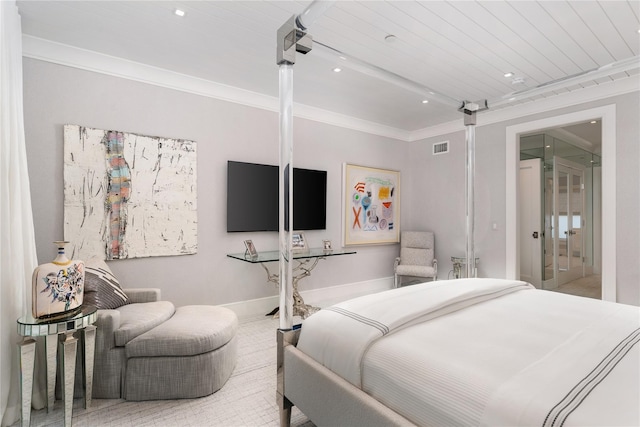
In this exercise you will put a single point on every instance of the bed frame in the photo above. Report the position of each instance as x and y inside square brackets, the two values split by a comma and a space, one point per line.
[321, 395]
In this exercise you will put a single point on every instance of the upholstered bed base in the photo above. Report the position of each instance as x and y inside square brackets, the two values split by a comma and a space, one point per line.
[329, 400]
[466, 352]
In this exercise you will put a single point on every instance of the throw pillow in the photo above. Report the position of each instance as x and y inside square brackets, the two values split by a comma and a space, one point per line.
[101, 288]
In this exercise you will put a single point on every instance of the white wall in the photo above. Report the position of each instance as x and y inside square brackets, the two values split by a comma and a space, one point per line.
[56, 95]
[439, 186]
[441, 203]
[432, 194]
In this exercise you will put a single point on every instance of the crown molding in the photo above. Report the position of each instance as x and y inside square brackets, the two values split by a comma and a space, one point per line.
[59, 53]
[567, 99]
[349, 122]
[63, 54]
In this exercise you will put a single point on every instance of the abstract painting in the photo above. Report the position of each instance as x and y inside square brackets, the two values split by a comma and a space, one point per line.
[128, 195]
[371, 205]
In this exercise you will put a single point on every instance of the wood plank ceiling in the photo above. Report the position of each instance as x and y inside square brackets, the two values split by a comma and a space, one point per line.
[458, 48]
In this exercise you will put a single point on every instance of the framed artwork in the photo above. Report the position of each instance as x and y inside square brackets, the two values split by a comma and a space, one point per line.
[128, 195]
[298, 241]
[251, 249]
[371, 205]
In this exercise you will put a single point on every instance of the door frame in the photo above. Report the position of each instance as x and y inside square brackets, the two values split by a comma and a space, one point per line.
[605, 113]
[536, 194]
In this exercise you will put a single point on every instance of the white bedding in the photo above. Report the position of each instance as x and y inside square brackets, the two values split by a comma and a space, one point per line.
[482, 351]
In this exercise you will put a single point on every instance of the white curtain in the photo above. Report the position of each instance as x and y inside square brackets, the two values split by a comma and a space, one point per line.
[17, 241]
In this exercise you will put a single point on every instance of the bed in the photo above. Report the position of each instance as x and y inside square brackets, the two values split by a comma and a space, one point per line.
[464, 352]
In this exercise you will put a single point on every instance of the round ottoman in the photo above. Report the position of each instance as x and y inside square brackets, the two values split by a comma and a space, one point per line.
[190, 355]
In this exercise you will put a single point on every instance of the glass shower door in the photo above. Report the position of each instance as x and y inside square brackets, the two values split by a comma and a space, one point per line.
[568, 221]
[548, 239]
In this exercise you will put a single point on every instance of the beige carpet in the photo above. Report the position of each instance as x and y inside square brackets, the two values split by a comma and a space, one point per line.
[247, 399]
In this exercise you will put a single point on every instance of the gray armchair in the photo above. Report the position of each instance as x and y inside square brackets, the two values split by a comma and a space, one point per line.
[146, 349]
[417, 256]
[115, 328]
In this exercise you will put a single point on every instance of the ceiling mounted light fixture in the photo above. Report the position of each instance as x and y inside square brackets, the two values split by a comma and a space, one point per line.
[337, 70]
[179, 12]
[425, 101]
[508, 74]
[593, 122]
[390, 38]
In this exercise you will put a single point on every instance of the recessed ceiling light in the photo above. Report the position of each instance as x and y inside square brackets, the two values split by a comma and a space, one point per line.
[509, 74]
[390, 38]
[425, 101]
[343, 58]
[512, 99]
[337, 70]
[179, 12]
[547, 146]
[594, 122]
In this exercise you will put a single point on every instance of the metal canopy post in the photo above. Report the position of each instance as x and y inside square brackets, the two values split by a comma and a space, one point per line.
[285, 193]
[290, 40]
[469, 109]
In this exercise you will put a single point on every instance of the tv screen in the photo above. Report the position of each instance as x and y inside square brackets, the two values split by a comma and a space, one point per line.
[252, 198]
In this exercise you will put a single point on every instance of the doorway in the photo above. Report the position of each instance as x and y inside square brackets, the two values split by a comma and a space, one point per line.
[606, 236]
[559, 212]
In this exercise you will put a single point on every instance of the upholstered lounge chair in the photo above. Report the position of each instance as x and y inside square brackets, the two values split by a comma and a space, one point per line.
[115, 328]
[417, 256]
[138, 332]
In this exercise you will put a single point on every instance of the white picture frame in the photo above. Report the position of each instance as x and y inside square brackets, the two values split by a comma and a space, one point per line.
[371, 205]
[298, 242]
[251, 249]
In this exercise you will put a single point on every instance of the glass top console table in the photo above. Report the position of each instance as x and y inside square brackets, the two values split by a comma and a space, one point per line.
[305, 262]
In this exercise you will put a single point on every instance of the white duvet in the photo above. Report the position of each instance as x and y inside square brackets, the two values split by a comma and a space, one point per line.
[485, 352]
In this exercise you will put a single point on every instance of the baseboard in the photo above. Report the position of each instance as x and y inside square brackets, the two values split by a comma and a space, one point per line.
[325, 297]
[322, 297]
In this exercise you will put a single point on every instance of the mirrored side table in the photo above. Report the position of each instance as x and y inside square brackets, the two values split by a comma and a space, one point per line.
[51, 330]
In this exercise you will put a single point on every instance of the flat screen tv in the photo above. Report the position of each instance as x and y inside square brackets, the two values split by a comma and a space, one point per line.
[252, 198]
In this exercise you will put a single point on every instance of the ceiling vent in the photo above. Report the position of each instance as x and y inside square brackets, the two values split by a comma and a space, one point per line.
[440, 147]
